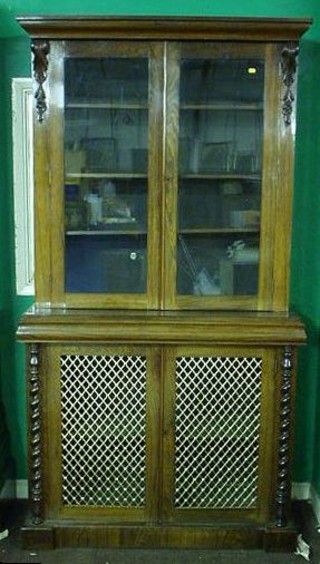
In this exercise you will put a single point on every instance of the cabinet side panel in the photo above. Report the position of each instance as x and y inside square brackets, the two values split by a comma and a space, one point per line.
[48, 180]
[287, 128]
[55, 222]
[42, 211]
[277, 182]
[270, 180]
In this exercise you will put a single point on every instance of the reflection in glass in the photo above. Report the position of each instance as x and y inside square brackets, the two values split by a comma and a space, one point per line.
[106, 264]
[211, 265]
[220, 162]
[106, 170]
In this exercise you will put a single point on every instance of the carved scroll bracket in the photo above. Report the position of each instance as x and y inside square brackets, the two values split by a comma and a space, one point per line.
[288, 69]
[284, 439]
[35, 435]
[40, 50]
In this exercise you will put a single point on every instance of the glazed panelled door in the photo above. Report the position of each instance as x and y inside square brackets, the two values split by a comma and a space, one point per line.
[110, 127]
[166, 191]
[214, 177]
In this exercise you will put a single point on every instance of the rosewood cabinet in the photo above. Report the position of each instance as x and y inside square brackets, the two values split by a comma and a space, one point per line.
[161, 354]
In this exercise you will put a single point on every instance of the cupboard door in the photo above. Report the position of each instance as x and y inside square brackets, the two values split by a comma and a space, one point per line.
[103, 405]
[219, 427]
[219, 109]
[107, 107]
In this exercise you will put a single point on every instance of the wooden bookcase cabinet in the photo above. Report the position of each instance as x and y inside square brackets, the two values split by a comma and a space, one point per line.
[161, 355]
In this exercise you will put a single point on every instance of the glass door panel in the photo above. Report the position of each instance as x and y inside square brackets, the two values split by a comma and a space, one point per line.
[219, 184]
[106, 174]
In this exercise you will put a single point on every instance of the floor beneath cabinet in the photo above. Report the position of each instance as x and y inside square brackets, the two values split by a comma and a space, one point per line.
[10, 551]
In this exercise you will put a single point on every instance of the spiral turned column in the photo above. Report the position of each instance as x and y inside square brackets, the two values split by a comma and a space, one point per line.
[283, 488]
[35, 435]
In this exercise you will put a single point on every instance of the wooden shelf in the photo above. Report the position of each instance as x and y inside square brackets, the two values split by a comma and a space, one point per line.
[96, 232]
[120, 175]
[106, 106]
[214, 106]
[219, 231]
[186, 176]
[222, 106]
[220, 176]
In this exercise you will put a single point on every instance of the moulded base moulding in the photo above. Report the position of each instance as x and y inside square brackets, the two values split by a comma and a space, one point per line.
[272, 539]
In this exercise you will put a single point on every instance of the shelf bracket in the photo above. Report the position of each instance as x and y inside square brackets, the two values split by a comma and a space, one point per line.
[40, 49]
[35, 435]
[289, 56]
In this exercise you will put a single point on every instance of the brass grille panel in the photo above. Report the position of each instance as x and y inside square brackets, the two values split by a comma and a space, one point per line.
[103, 418]
[217, 432]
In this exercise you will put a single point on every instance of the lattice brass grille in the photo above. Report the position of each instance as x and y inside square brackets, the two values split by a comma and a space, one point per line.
[103, 411]
[217, 432]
